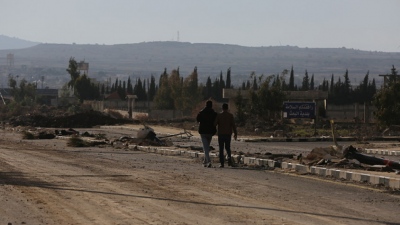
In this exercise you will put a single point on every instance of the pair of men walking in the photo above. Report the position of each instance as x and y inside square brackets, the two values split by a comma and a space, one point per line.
[209, 121]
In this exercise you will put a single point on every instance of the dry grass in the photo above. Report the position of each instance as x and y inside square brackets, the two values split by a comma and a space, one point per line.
[77, 142]
[143, 117]
[27, 135]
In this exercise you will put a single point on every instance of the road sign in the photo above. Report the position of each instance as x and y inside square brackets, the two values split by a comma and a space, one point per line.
[299, 110]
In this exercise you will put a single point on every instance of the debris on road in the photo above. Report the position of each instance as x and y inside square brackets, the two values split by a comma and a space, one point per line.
[146, 136]
[352, 153]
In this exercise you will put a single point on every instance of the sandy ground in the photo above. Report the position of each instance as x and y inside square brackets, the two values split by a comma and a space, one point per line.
[47, 182]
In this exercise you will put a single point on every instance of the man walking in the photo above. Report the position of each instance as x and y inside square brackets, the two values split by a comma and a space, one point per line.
[206, 118]
[226, 125]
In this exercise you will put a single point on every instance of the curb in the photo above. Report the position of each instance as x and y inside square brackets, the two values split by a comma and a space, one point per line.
[382, 152]
[283, 139]
[317, 139]
[339, 174]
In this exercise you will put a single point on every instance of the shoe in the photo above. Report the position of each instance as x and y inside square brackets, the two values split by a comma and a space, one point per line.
[208, 165]
[221, 166]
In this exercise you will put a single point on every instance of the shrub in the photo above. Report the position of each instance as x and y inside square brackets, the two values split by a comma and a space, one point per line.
[77, 142]
[27, 135]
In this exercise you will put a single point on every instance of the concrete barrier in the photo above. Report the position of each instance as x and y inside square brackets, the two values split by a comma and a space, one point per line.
[249, 160]
[394, 183]
[301, 168]
[320, 171]
[382, 152]
[193, 154]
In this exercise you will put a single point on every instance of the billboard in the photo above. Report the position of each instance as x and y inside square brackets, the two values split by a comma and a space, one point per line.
[299, 110]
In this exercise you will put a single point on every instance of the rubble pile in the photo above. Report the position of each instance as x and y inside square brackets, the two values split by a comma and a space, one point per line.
[62, 120]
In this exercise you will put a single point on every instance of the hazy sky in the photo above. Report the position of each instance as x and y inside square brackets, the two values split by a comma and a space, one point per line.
[359, 24]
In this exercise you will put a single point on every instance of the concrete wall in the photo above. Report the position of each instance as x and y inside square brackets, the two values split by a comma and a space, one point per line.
[343, 113]
[96, 105]
[348, 113]
[166, 114]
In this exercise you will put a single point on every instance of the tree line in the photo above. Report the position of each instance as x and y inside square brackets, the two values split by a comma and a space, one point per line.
[267, 93]
[176, 92]
[183, 93]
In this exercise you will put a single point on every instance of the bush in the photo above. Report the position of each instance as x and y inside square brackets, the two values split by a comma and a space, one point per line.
[27, 135]
[77, 142]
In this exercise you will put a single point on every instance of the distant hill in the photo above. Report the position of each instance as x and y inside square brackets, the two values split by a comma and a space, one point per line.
[150, 58]
[14, 43]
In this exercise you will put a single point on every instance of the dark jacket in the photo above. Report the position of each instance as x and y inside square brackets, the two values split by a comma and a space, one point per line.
[226, 123]
[206, 118]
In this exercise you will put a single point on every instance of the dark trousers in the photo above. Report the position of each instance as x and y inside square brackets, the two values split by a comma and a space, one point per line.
[224, 141]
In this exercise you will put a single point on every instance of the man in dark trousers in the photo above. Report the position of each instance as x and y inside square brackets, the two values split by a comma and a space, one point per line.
[207, 129]
[226, 125]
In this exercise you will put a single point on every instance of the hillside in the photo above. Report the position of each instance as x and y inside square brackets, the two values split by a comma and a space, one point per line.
[14, 43]
[150, 58]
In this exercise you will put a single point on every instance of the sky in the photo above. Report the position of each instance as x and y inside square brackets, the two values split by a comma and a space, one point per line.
[371, 25]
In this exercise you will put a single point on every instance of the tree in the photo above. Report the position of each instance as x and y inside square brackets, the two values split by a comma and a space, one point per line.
[163, 98]
[85, 89]
[305, 85]
[387, 102]
[243, 86]
[312, 86]
[25, 93]
[190, 91]
[341, 93]
[207, 91]
[281, 80]
[248, 85]
[291, 80]
[129, 88]
[193, 81]
[73, 71]
[346, 84]
[228, 78]
[217, 95]
[175, 83]
[267, 101]
[139, 90]
[365, 91]
[152, 89]
[255, 85]
[331, 87]
[221, 82]
[322, 86]
[240, 108]
[12, 83]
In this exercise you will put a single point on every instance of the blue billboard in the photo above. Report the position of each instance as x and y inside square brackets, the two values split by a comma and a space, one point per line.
[299, 110]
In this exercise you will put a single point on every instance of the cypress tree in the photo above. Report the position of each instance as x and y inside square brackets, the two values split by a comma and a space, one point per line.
[291, 80]
[152, 88]
[228, 78]
[306, 83]
[312, 83]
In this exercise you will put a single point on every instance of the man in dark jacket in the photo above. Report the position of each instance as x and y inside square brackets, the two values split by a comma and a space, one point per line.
[226, 126]
[206, 118]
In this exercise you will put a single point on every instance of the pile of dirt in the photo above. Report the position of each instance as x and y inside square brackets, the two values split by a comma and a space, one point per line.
[61, 120]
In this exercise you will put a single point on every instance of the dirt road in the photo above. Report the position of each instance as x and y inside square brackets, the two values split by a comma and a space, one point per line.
[46, 182]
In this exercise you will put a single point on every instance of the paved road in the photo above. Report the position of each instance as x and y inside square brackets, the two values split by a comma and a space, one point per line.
[47, 182]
